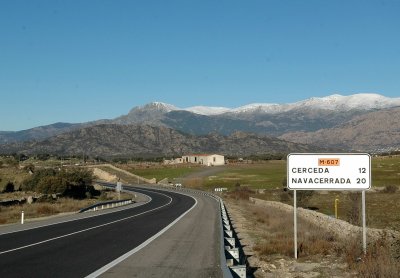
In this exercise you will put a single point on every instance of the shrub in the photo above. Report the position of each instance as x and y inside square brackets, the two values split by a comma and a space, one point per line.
[30, 183]
[103, 196]
[241, 192]
[390, 189]
[378, 262]
[9, 188]
[74, 182]
[51, 185]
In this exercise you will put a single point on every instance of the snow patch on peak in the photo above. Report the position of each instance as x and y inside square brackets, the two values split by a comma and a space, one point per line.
[370, 101]
[356, 101]
[332, 102]
[260, 107]
[207, 111]
[161, 106]
[365, 101]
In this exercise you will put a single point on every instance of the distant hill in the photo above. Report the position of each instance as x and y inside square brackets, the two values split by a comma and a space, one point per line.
[374, 132]
[307, 121]
[37, 133]
[111, 140]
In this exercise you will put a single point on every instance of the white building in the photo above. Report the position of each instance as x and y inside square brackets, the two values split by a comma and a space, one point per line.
[204, 159]
[174, 161]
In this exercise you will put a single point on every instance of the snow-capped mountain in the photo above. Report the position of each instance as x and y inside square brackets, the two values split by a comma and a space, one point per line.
[207, 111]
[290, 121]
[333, 102]
[156, 106]
[262, 108]
[357, 101]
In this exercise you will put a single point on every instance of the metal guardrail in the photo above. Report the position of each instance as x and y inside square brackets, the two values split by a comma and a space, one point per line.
[107, 205]
[235, 257]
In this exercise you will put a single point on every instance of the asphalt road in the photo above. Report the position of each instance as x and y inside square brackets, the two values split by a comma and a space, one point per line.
[79, 248]
[191, 248]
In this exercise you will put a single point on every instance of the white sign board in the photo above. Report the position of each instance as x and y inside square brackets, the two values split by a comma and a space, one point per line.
[329, 171]
[118, 188]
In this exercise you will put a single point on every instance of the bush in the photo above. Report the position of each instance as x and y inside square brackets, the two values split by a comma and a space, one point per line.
[390, 189]
[51, 185]
[378, 262]
[103, 196]
[30, 183]
[9, 188]
[242, 193]
[303, 196]
[73, 183]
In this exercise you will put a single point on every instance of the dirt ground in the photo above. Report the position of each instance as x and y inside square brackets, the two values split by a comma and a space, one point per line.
[251, 229]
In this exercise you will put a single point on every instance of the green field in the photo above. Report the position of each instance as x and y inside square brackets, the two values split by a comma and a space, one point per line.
[268, 174]
[159, 173]
[382, 207]
[386, 171]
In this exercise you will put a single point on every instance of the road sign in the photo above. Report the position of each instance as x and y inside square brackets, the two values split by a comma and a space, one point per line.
[329, 171]
[322, 171]
[118, 188]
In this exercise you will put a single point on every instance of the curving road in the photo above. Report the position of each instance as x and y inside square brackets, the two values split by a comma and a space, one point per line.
[82, 247]
[191, 248]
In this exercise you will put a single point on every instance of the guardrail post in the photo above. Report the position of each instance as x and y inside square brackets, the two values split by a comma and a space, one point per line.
[230, 241]
[234, 255]
[240, 270]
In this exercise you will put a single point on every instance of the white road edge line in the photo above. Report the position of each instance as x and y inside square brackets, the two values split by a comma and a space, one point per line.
[88, 229]
[77, 219]
[144, 244]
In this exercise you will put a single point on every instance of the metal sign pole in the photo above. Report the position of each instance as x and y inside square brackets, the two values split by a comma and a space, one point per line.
[364, 223]
[295, 222]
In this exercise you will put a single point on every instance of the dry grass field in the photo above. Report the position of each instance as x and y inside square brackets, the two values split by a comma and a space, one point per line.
[265, 179]
[269, 234]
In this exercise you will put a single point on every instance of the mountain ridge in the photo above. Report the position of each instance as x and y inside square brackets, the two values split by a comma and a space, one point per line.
[295, 122]
[113, 140]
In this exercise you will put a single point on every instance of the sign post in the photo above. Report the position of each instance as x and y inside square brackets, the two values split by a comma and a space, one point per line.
[329, 171]
[118, 188]
[364, 225]
[295, 222]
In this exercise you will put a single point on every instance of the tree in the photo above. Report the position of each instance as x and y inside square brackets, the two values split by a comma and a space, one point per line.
[30, 183]
[78, 182]
[72, 182]
[51, 185]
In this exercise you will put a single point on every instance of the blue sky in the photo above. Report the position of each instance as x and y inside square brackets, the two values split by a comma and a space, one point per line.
[75, 61]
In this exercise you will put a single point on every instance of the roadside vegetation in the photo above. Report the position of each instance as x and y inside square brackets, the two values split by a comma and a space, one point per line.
[267, 180]
[269, 233]
[41, 190]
